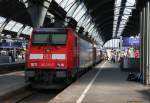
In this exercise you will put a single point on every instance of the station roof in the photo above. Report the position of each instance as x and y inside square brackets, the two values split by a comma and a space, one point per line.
[102, 12]
[15, 10]
[116, 17]
[133, 25]
[16, 17]
[102, 18]
[14, 27]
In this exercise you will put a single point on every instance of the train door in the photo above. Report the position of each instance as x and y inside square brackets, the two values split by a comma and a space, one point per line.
[77, 53]
[94, 54]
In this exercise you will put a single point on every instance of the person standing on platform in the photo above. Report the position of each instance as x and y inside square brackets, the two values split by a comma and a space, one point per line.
[10, 56]
[136, 54]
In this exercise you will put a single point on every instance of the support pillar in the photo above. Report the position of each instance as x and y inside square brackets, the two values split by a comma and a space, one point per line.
[141, 43]
[38, 13]
[145, 44]
[148, 43]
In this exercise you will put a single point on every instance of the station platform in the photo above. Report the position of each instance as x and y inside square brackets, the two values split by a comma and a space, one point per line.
[12, 63]
[11, 83]
[106, 83]
[11, 67]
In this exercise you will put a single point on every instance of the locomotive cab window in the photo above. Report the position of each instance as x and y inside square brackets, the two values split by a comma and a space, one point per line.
[58, 39]
[39, 38]
[49, 39]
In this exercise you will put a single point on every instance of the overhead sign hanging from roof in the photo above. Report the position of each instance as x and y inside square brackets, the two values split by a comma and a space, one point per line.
[131, 41]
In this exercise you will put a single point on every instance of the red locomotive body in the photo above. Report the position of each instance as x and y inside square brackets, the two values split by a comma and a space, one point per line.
[56, 53]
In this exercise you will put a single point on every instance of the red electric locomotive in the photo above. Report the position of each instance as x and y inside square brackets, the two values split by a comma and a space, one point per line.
[57, 54]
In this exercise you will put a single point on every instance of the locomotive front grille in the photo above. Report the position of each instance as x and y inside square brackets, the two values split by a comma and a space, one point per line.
[46, 75]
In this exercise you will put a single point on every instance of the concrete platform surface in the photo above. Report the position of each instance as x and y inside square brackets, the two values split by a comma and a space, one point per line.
[106, 83]
[10, 83]
[12, 63]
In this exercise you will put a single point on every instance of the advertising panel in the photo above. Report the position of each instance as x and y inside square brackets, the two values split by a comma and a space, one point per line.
[131, 41]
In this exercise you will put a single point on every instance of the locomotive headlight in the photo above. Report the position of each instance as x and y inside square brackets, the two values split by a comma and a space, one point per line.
[58, 56]
[62, 64]
[33, 64]
[47, 50]
[58, 64]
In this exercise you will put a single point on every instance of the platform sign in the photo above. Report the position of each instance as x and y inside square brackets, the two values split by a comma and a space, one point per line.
[131, 41]
[14, 44]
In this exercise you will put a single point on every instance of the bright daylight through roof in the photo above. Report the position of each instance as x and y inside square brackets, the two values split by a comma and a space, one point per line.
[122, 12]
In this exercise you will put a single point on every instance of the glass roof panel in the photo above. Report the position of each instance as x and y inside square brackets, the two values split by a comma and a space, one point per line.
[130, 2]
[71, 10]
[127, 11]
[77, 10]
[116, 17]
[80, 22]
[10, 25]
[116, 14]
[63, 3]
[58, 1]
[87, 26]
[117, 10]
[79, 15]
[2, 20]
[85, 21]
[118, 3]
[113, 43]
[125, 17]
[17, 27]
[92, 25]
[69, 4]
[121, 26]
[26, 29]
[29, 31]
[122, 23]
[88, 20]
[115, 22]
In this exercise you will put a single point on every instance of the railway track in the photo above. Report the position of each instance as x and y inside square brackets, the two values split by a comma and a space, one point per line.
[33, 96]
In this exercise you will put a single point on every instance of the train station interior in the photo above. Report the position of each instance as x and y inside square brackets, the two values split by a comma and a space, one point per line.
[74, 51]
